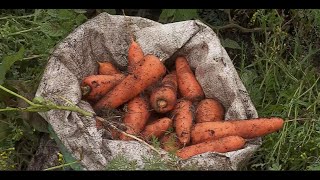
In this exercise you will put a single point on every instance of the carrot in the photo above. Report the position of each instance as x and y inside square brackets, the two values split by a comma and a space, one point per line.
[170, 142]
[188, 85]
[135, 55]
[222, 145]
[250, 128]
[149, 71]
[96, 86]
[136, 116]
[107, 68]
[183, 120]
[209, 110]
[163, 99]
[170, 80]
[157, 128]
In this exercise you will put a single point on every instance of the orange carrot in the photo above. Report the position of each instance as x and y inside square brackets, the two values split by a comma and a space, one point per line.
[250, 128]
[222, 145]
[170, 80]
[107, 68]
[209, 110]
[170, 142]
[150, 71]
[183, 120]
[135, 55]
[136, 116]
[188, 85]
[163, 98]
[96, 86]
[157, 128]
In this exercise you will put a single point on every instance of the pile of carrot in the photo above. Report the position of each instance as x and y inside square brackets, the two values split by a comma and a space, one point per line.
[168, 105]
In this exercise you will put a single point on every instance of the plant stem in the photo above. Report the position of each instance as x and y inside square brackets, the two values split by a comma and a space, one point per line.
[17, 17]
[23, 31]
[19, 96]
[73, 108]
[10, 109]
[60, 166]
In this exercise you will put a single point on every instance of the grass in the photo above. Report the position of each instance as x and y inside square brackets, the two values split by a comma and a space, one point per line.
[277, 61]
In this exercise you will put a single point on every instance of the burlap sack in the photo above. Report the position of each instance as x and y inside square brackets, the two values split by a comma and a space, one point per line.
[106, 37]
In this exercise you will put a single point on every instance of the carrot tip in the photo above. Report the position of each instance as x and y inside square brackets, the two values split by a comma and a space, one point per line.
[85, 90]
[162, 103]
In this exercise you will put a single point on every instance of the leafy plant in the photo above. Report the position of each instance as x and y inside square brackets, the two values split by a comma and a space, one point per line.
[174, 15]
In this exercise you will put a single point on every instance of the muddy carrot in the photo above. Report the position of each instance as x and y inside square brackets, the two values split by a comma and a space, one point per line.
[96, 86]
[136, 116]
[183, 120]
[209, 110]
[164, 98]
[135, 55]
[188, 85]
[156, 128]
[150, 71]
[250, 128]
[222, 145]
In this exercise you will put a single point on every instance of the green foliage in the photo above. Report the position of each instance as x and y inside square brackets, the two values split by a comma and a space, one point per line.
[282, 81]
[121, 163]
[229, 43]
[174, 15]
[8, 61]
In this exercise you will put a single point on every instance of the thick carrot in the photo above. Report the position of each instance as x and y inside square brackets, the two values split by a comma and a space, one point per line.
[188, 85]
[164, 98]
[170, 142]
[107, 68]
[183, 120]
[222, 145]
[136, 116]
[209, 110]
[250, 128]
[96, 86]
[150, 71]
[135, 55]
[156, 128]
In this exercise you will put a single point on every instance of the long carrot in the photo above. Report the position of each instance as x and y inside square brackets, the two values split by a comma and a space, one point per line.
[209, 110]
[107, 68]
[250, 128]
[222, 145]
[136, 116]
[135, 55]
[183, 120]
[150, 71]
[156, 128]
[163, 98]
[188, 85]
[170, 142]
[96, 86]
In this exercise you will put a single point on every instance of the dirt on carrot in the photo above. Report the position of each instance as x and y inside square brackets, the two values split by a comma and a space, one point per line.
[222, 145]
[209, 110]
[188, 85]
[95, 87]
[248, 129]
